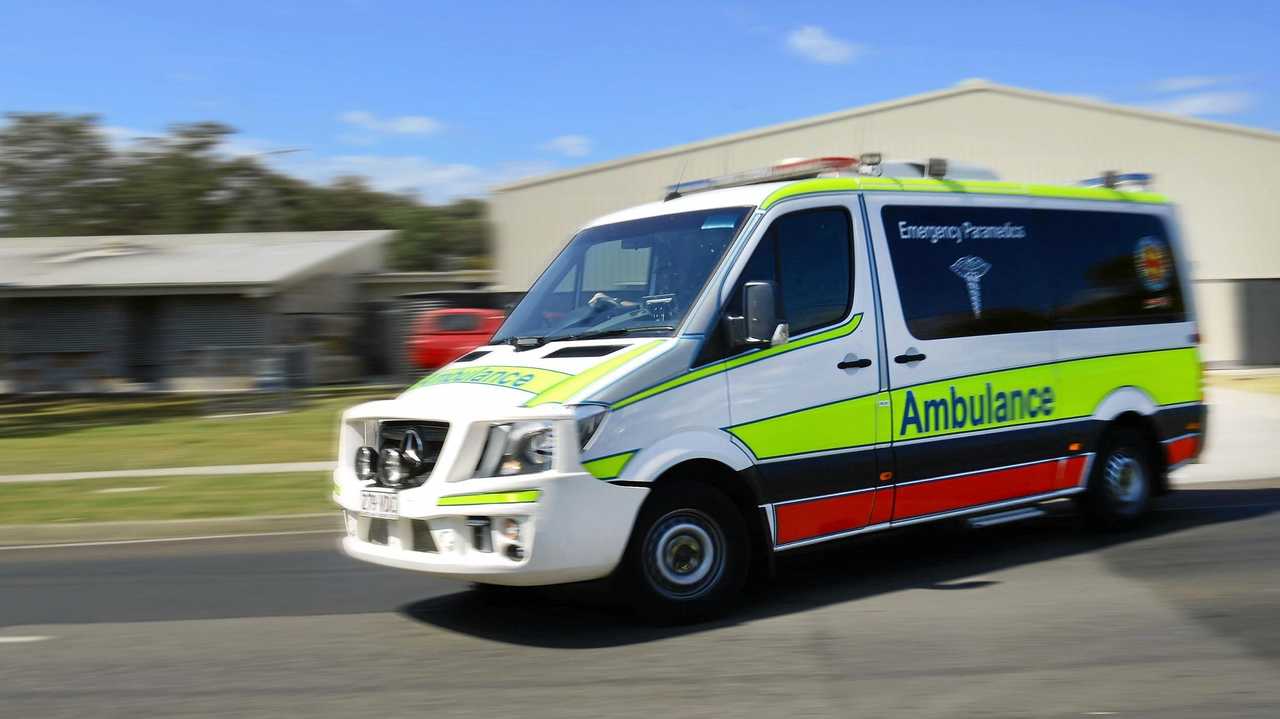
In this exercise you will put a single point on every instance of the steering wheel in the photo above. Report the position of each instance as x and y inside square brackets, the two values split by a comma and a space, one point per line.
[600, 301]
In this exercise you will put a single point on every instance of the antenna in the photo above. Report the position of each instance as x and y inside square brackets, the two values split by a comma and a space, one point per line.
[679, 178]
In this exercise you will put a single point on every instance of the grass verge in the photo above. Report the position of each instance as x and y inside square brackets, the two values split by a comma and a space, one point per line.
[74, 435]
[139, 499]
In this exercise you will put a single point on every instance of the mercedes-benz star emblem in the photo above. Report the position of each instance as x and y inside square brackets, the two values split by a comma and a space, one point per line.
[411, 446]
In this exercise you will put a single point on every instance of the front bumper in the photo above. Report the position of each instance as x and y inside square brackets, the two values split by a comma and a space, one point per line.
[575, 530]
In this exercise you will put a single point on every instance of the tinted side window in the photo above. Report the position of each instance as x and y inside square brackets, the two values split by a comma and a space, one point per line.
[965, 271]
[1111, 268]
[807, 254]
[813, 261]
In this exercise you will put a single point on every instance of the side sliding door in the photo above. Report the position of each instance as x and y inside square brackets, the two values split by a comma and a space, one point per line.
[967, 303]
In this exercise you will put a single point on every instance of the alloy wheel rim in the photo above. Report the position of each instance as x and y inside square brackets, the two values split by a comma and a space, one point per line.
[1125, 478]
[684, 554]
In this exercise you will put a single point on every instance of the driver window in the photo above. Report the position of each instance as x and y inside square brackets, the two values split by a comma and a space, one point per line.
[808, 254]
[616, 270]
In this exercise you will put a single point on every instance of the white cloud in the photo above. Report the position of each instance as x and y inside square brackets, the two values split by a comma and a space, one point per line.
[1225, 102]
[1187, 83]
[813, 43]
[402, 125]
[568, 145]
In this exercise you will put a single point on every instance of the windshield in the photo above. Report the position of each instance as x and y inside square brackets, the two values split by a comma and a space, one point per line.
[638, 277]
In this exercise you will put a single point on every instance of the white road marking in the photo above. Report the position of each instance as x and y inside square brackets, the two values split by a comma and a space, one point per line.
[23, 639]
[114, 542]
[115, 490]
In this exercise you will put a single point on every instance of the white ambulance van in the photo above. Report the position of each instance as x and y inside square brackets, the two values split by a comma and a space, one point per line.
[822, 349]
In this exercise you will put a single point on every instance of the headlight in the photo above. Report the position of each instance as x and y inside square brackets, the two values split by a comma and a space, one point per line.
[517, 448]
[366, 464]
[589, 419]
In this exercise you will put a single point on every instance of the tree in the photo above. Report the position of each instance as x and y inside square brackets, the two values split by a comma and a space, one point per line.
[60, 176]
[440, 238]
[56, 175]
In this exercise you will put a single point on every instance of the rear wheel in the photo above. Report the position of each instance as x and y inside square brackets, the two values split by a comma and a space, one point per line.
[688, 555]
[1122, 480]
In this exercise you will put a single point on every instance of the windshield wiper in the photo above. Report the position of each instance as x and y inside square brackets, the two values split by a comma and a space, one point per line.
[600, 334]
[534, 341]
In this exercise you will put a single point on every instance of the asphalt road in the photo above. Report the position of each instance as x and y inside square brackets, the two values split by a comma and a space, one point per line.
[1040, 619]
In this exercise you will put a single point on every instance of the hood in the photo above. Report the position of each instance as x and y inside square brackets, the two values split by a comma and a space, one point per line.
[497, 377]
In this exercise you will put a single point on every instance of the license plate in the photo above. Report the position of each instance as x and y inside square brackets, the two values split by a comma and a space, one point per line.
[380, 504]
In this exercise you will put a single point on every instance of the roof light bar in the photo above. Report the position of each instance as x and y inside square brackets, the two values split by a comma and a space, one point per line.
[1113, 180]
[785, 170]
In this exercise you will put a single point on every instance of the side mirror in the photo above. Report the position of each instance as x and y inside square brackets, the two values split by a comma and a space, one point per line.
[759, 324]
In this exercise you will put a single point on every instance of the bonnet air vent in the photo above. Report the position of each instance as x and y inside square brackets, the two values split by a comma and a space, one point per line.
[584, 351]
[473, 355]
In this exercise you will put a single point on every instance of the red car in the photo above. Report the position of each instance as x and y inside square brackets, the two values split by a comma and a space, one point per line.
[442, 336]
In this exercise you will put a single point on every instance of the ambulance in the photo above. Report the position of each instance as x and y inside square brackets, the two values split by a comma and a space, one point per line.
[766, 361]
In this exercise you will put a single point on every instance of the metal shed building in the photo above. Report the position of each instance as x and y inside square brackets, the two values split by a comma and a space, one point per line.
[172, 311]
[1219, 175]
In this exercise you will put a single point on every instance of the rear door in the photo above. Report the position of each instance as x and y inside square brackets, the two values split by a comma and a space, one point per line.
[806, 410]
[967, 301]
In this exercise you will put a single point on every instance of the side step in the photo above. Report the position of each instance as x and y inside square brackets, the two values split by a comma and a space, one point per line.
[1013, 515]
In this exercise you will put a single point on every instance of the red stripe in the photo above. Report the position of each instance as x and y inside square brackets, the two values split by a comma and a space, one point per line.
[803, 520]
[942, 495]
[882, 508]
[1180, 450]
[1070, 472]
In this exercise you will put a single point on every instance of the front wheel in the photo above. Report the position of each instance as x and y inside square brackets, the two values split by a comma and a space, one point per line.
[688, 555]
[1120, 485]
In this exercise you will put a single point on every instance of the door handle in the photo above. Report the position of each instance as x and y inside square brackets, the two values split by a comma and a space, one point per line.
[904, 359]
[851, 364]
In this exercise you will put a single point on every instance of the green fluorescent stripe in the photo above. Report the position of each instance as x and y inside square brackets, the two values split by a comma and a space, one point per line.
[1079, 386]
[986, 187]
[1169, 376]
[609, 467]
[713, 369]
[457, 500]
[838, 425]
[525, 379]
[566, 389]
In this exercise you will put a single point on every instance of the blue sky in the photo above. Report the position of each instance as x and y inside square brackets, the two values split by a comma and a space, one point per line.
[448, 98]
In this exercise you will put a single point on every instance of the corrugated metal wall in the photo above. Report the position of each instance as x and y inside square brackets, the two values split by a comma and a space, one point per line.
[57, 342]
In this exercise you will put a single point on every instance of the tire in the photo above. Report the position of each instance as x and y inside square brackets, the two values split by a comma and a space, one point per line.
[687, 558]
[1122, 481]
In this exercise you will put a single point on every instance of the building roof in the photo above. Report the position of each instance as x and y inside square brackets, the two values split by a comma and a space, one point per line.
[963, 88]
[159, 261]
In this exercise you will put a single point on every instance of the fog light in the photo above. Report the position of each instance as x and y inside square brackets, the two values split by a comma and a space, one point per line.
[394, 468]
[366, 464]
[510, 529]
[515, 552]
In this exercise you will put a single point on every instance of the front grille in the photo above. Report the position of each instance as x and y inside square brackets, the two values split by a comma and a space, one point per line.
[432, 434]
[379, 531]
[422, 539]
